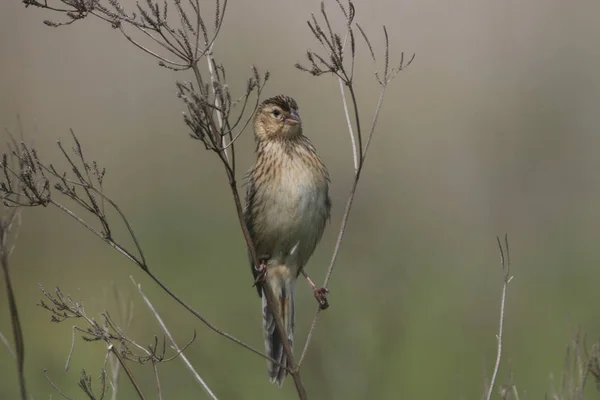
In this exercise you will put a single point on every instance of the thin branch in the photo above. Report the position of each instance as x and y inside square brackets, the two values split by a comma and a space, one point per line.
[505, 263]
[7, 345]
[125, 315]
[70, 355]
[332, 44]
[211, 70]
[129, 374]
[96, 232]
[150, 52]
[133, 259]
[187, 363]
[336, 251]
[116, 207]
[54, 386]
[375, 118]
[158, 388]
[347, 115]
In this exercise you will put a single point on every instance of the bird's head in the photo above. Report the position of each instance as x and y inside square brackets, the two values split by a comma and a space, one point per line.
[277, 117]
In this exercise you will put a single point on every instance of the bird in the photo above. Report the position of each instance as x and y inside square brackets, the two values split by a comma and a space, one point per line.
[287, 208]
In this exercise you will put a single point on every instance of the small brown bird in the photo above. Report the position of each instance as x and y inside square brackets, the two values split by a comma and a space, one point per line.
[287, 206]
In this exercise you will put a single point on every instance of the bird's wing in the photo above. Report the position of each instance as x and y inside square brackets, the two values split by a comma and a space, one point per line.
[249, 219]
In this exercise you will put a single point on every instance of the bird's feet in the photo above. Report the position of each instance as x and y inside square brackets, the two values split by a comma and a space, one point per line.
[261, 272]
[321, 296]
[320, 293]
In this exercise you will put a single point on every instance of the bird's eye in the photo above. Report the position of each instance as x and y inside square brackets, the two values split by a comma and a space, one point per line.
[276, 113]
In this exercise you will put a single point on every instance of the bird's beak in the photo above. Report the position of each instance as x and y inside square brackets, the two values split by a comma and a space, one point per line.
[293, 118]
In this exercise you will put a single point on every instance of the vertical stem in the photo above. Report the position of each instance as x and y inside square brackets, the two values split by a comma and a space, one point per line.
[505, 262]
[350, 130]
[14, 314]
[211, 70]
[187, 363]
[499, 352]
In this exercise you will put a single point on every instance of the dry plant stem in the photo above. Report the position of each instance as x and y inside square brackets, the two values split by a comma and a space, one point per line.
[158, 389]
[175, 347]
[51, 382]
[127, 371]
[115, 366]
[348, 207]
[114, 381]
[5, 225]
[515, 392]
[350, 130]
[211, 70]
[7, 345]
[336, 251]
[507, 278]
[334, 62]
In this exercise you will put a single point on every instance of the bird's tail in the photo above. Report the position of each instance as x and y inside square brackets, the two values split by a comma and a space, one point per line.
[283, 291]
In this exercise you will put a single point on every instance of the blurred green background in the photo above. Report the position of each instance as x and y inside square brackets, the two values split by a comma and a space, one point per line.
[493, 129]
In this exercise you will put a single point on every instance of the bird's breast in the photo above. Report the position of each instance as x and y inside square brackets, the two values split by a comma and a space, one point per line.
[296, 197]
[293, 206]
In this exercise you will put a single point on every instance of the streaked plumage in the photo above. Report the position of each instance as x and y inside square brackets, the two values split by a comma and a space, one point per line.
[287, 207]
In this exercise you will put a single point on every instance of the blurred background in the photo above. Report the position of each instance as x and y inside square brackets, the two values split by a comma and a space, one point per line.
[492, 130]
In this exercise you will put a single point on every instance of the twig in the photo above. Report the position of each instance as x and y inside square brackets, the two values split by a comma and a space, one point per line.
[158, 389]
[129, 374]
[51, 382]
[336, 251]
[7, 345]
[70, 355]
[334, 47]
[189, 365]
[347, 113]
[126, 316]
[211, 71]
[505, 262]
[114, 380]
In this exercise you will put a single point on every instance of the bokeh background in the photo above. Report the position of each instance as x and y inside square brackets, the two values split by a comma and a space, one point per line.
[493, 129]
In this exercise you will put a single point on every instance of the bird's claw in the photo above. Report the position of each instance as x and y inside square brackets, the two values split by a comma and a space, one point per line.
[321, 296]
[261, 273]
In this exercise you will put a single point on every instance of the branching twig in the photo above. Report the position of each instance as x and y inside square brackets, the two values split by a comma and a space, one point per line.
[7, 345]
[119, 345]
[128, 372]
[505, 263]
[335, 62]
[189, 365]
